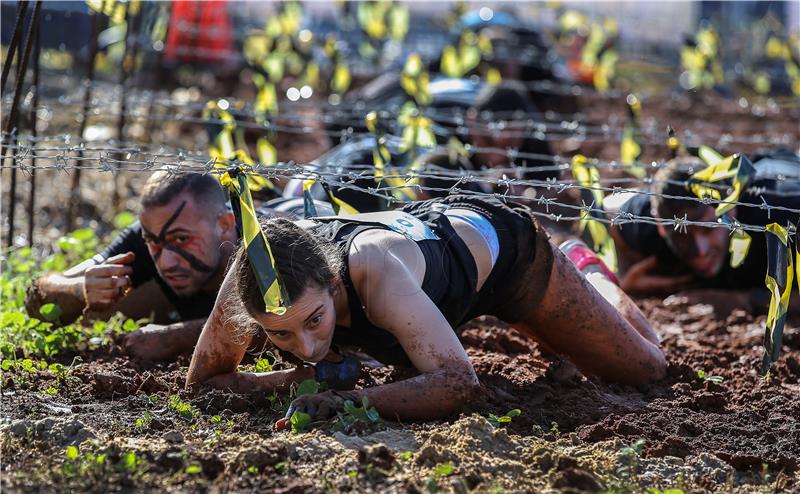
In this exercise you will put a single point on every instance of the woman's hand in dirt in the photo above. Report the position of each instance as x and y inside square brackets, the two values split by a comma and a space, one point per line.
[108, 282]
[640, 279]
[319, 406]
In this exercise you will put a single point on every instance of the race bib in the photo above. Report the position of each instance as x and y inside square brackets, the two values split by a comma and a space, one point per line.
[400, 222]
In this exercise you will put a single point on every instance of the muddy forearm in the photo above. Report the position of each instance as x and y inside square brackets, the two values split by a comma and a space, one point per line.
[428, 396]
[252, 382]
[58, 289]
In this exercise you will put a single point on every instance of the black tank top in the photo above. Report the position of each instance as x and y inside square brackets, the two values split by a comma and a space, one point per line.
[450, 273]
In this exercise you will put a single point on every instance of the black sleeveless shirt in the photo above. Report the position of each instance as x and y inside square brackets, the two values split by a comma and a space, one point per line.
[450, 273]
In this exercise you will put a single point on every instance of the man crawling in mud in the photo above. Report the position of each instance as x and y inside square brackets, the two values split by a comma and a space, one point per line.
[168, 265]
[661, 260]
[396, 285]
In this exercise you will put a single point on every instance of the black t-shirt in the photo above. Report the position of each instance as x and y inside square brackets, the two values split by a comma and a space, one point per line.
[195, 306]
[644, 238]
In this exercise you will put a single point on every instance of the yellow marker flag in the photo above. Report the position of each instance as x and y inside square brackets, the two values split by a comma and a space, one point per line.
[736, 166]
[595, 232]
[259, 253]
[779, 277]
[630, 149]
[309, 209]
[339, 206]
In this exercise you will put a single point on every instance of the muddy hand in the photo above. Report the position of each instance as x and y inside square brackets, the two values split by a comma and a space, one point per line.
[319, 406]
[152, 342]
[641, 279]
[108, 282]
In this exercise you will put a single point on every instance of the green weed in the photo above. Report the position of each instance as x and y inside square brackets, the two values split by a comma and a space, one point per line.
[701, 374]
[503, 419]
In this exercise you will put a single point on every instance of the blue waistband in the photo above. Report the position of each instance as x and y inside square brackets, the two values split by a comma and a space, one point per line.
[482, 224]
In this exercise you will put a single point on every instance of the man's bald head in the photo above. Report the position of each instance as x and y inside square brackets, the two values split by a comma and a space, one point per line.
[162, 187]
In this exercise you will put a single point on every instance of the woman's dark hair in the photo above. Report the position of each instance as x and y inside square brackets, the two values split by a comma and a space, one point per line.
[302, 259]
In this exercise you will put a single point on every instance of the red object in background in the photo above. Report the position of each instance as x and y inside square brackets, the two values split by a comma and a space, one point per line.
[199, 32]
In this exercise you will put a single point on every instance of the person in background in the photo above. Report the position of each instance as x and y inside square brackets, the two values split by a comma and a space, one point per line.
[661, 260]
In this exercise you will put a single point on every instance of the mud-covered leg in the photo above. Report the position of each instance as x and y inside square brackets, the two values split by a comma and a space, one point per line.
[574, 319]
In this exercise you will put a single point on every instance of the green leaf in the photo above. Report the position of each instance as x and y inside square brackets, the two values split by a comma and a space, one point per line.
[71, 453]
[128, 461]
[308, 387]
[83, 234]
[514, 413]
[130, 325]
[300, 422]
[124, 220]
[444, 469]
[194, 469]
[263, 365]
[51, 312]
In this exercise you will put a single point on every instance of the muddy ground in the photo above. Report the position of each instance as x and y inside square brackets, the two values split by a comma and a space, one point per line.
[733, 433]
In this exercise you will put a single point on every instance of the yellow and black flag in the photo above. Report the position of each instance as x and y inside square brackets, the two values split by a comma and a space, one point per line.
[779, 282]
[741, 170]
[592, 230]
[630, 148]
[258, 251]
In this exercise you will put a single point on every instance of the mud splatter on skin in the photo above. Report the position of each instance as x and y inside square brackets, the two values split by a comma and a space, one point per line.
[572, 432]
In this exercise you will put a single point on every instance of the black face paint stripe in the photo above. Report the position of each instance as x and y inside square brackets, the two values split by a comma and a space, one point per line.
[196, 263]
[163, 234]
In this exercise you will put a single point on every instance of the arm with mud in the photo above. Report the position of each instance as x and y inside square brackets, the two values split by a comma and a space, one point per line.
[92, 285]
[221, 347]
[156, 342]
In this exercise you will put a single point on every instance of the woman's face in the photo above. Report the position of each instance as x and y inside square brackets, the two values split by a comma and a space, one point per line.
[306, 328]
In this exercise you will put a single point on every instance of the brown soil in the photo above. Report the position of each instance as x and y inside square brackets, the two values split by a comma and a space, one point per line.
[574, 434]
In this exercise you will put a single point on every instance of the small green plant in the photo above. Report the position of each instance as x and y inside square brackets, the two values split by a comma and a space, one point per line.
[307, 387]
[701, 374]
[193, 469]
[300, 422]
[443, 470]
[98, 464]
[263, 365]
[405, 455]
[625, 479]
[185, 410]
[503, 419]
[554, 427]
[143, 421]
[352, 415]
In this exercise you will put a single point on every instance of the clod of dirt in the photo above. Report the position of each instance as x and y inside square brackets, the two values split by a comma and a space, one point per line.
[214, 401]
[262, 455]
[109, 382]
[704, 467]
[174, 437]
[377, 455]
[212, 466]
[576, 480]
[60, 432]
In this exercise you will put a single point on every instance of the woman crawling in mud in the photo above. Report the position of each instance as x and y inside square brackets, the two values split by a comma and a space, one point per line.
[396, 285]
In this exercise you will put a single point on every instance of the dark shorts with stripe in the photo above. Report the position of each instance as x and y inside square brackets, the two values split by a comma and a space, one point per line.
[520, 275]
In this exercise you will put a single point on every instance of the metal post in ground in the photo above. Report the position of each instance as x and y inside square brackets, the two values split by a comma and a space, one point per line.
[74, 198]
[22, 9]
[13, 117]
[33, 117]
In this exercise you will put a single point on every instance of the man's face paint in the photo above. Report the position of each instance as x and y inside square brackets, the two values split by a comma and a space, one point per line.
[183, 271]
